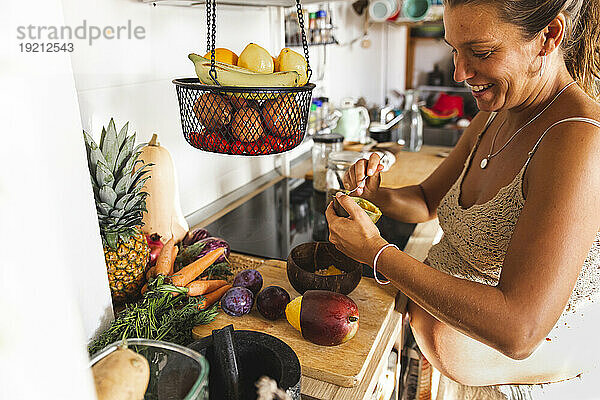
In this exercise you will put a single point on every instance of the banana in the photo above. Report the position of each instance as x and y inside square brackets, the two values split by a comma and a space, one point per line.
[231, 75]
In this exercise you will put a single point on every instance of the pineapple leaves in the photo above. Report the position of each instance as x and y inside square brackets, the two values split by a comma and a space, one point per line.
[122, 136]
[108, 195]
[102, 135]
[103, 175]
[123, 184]
[117, 213]
[111, 239]
[118, 177]
[94, 154]
[130, 220]
[124, 200]
[125, 153]
[139, 185]
[109, 146]
[129, 165]
[103, 208]
[137, 175]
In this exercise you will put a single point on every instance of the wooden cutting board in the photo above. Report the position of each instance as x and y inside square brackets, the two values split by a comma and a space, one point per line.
[342, 365]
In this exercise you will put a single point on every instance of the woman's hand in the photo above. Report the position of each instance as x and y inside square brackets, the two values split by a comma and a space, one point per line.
[371, 168]
[356, 236]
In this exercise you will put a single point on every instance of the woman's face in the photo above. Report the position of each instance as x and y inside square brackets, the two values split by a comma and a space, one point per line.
[491, 56]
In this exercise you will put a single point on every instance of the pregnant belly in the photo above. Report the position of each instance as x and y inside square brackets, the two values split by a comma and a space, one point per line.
[569, 351]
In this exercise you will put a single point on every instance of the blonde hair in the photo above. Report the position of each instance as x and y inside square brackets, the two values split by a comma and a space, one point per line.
[581, 44]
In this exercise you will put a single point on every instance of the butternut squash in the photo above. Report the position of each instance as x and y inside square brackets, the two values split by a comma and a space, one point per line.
[164, 214]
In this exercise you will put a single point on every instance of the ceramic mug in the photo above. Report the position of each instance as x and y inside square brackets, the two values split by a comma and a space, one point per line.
[381, 10]
[416, 10]
[353, 123]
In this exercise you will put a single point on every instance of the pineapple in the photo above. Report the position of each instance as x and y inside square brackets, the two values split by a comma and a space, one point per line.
[117, 179]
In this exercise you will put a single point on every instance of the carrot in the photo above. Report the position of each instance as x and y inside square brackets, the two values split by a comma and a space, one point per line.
[212, 297]
[163, 261]
[174, 253]
[144, 288]
[202, 287]
[192, 271]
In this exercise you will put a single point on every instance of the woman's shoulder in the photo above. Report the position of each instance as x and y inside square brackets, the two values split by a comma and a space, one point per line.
[577, 103]
[476, 127]
[570, 137]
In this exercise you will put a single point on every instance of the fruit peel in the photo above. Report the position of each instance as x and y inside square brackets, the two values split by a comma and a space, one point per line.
[323, 317]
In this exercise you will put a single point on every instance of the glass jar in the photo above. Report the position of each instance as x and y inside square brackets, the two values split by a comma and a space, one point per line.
[411, 126]
[339, 162]
[322, 147]
[168, 362]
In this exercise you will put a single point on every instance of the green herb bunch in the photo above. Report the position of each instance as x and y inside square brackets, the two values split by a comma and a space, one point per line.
[159, 315]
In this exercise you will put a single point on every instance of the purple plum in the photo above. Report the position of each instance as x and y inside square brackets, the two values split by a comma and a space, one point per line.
[271, 302]
[237, 301]
[249, 278]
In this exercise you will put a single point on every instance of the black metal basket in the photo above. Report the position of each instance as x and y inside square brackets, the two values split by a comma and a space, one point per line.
[243, 120]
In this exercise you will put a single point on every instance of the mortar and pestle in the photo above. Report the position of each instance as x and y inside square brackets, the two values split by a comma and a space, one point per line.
[238, 358]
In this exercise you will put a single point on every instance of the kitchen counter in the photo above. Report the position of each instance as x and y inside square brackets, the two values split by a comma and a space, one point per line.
[409, 169]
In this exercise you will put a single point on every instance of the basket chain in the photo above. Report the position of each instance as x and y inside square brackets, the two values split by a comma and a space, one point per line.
[211, 33]
[304, 41]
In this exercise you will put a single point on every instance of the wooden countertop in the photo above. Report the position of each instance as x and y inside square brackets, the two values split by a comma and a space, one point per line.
[412, 168]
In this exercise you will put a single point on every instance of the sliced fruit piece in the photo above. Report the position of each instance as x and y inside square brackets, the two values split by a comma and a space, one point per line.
[223, 55]
[292, 313]
[371, 209]
[433, 118]
[289, 60]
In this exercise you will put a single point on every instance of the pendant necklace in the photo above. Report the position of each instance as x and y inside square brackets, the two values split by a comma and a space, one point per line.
[485, 160]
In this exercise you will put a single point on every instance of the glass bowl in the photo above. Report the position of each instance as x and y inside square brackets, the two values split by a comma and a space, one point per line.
[176, 372]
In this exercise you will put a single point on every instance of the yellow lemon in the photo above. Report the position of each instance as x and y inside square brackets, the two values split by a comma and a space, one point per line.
[292, 312]
[289, 60]
[256, 59]
[224, 55]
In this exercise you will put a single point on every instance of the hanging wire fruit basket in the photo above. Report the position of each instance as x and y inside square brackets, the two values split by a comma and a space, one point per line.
[241, 112]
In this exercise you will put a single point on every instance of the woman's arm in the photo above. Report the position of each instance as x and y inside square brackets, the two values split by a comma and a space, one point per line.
[554, 233]
[416, 203]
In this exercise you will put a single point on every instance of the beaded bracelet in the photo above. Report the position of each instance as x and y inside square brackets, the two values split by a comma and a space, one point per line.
[375, 262]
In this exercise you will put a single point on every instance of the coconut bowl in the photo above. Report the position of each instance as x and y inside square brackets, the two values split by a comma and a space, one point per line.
[307, 258]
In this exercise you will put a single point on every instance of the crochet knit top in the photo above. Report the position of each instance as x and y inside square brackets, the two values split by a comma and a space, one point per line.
[476, 239]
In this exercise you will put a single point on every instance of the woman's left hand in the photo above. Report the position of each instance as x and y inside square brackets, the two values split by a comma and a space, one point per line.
[355, 236]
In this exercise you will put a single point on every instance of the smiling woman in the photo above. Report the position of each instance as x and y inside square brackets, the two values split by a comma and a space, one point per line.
[506, 304]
